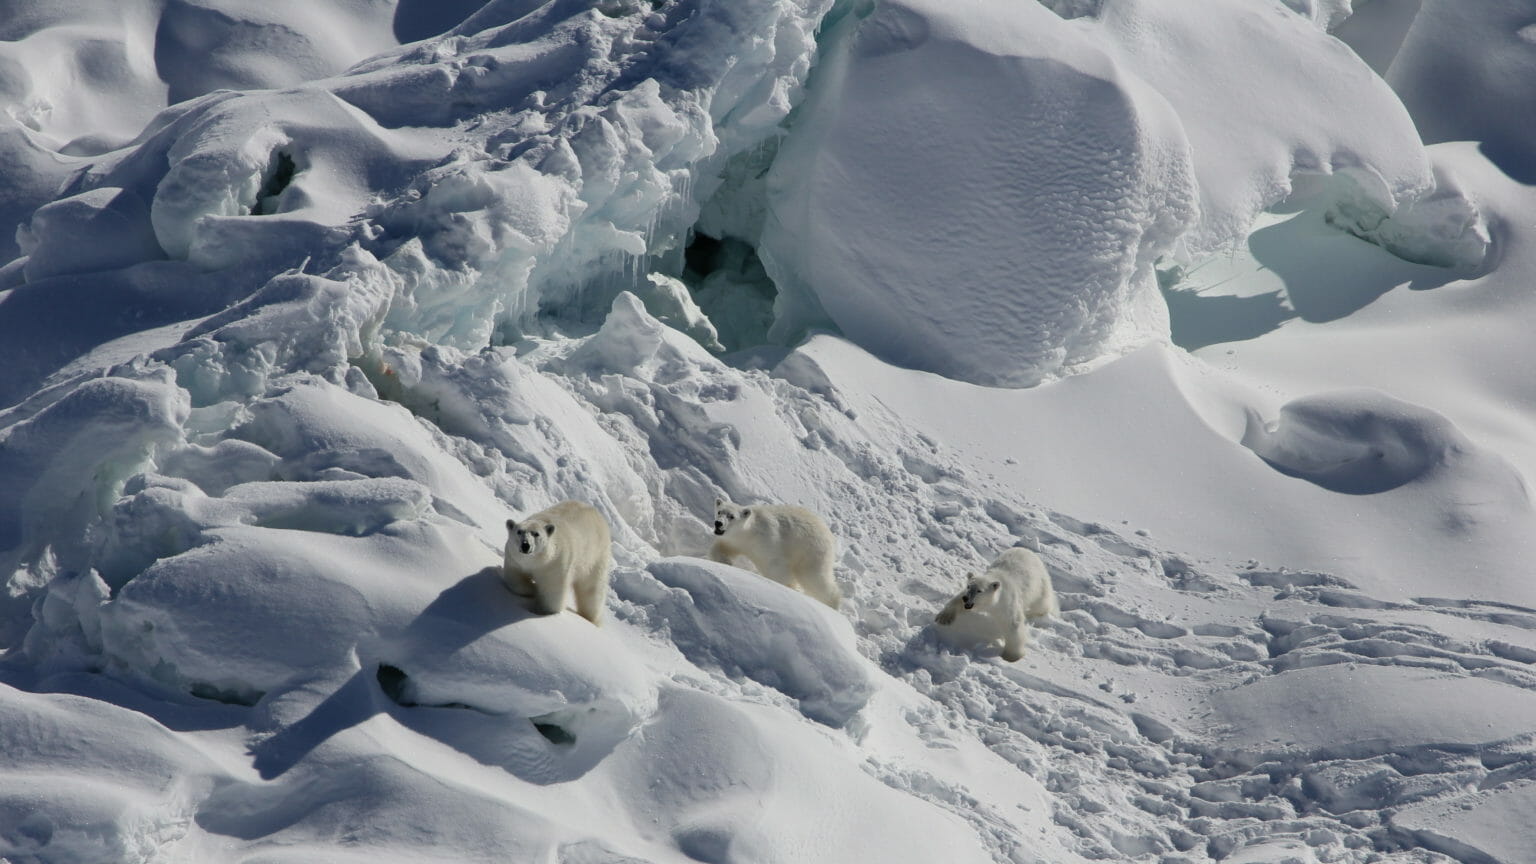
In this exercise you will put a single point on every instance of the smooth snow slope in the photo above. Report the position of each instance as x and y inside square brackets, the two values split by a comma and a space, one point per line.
[282, 357]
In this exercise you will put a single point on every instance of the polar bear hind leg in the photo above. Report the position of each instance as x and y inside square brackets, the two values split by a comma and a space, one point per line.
[590, 594]
[779, 571]
[820, 583]
[1013, 643]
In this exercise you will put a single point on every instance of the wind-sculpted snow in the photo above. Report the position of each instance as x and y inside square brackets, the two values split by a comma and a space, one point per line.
[1264, 97]
[785, 641]
[1463, 72]
[1097, 146]
[1037, 229]
[281, 363]
[1364, 442]
[520, 163]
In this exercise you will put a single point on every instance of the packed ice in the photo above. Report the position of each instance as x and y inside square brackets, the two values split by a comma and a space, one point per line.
[1221, 311]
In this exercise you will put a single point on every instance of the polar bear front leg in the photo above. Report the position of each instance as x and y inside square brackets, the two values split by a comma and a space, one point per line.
[722, 552]
[947, 615]
[518, 582]
[551, 593]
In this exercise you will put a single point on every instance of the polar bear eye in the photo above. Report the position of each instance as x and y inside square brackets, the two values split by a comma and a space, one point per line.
[996, 585]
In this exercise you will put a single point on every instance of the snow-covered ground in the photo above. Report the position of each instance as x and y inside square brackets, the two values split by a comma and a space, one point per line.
[1224, 308]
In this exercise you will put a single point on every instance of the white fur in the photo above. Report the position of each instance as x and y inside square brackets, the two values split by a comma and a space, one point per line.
[1015, 588]
[569, 551]
[790, 545]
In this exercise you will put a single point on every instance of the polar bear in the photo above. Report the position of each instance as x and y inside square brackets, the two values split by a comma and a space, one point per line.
[790, 545]
[998, 603]
[565, 548]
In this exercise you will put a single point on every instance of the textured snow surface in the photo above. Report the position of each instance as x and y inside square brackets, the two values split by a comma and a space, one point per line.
[302, 304]
[1036, 231]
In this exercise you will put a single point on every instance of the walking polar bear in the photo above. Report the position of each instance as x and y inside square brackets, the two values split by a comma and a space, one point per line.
[790, 545]
[999, 603]
[565, 549]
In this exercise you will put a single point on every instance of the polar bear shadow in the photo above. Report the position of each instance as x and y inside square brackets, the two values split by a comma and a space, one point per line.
[535, 749]
[474, 606]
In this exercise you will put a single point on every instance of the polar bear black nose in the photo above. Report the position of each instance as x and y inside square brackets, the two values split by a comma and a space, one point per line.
[527, 547]
[719, 527]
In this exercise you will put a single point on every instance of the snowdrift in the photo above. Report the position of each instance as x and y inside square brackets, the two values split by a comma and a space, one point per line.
[301, 306]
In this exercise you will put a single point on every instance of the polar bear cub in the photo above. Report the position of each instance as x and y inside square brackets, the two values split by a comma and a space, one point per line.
[790, 545]
[565, 549]
[999, 603]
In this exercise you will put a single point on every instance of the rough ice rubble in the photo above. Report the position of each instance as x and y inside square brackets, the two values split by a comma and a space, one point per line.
[65, 465]
[526, 162]
[1054, 723]
[79, 80]
[415, 596]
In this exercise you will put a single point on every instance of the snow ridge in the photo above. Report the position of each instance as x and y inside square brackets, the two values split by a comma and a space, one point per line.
[252, 607]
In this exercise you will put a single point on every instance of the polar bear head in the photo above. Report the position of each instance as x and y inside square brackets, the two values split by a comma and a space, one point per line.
[980, 591]
[531, 538]
[728, 515]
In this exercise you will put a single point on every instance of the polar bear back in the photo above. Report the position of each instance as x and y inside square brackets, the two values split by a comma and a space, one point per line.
[581, 543]
[1026, 582]
[784, 529]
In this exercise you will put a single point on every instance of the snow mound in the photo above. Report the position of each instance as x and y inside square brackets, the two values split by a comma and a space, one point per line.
[134, 796]
[1362, 442]
[737, 621]
[1040, 220]
[1463, 70]
[1264, 97]
[279, 364]
[65, 466]
[730, 784]
[102, 229]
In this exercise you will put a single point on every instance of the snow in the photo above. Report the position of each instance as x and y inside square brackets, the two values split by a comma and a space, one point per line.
[1214, 310]
[1035, 240]
[1463, 71]
[772, 637]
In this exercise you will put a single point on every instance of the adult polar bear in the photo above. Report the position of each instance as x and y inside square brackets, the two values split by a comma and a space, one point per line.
[790, 545]
[565, 549]
[999, 603]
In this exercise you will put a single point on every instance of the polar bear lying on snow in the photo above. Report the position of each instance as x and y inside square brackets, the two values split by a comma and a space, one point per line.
[790, 545]
[999, 603]
[562, 550]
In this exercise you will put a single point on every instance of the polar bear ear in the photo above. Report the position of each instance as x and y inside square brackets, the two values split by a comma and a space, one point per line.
[719, 502]
[746, 512]
[549, 529]
[511, 524]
